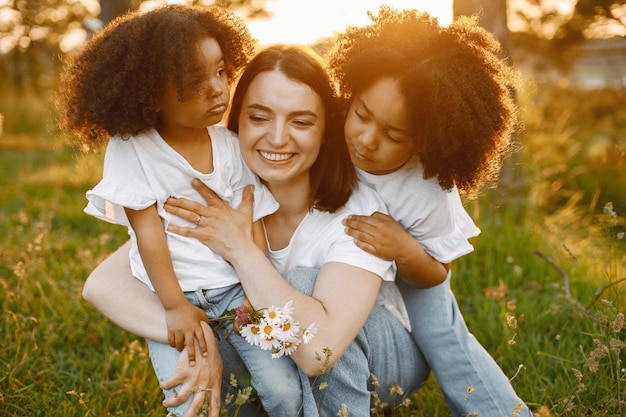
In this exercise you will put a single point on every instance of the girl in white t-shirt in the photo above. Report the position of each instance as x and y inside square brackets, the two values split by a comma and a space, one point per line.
[154, 86]
[431, 109]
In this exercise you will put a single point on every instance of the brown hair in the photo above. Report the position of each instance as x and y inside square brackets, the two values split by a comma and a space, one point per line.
[332, 175]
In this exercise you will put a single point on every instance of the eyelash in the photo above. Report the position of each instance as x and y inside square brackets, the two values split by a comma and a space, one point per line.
[365, 119]
[299, 123]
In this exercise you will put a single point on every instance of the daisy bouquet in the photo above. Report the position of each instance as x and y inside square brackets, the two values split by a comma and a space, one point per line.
[271, 328]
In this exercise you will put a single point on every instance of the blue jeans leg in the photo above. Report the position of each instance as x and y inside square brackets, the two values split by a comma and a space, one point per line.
[457, 359]
[383, 348]
[276, 381]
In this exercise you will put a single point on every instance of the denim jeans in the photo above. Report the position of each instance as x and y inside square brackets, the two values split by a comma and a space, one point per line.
[383, 348]
[457, 359]
[276, 381]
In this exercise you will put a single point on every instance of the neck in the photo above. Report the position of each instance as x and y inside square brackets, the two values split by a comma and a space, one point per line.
[295, 203]
[294, 198]
[183, 135]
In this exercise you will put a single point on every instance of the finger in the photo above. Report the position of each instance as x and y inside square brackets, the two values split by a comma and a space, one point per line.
[201, 343]
[183, 231]
[214, 402]
[208, 194]
[247, 199]
[171, 338]
[190, 344]
[359, 230]
[181, 395]
[367, 247]
[183, 207]
[199, 399]
[180, 341]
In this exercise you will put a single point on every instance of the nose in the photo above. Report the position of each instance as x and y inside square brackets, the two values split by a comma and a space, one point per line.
[214, 88]
[278, 134]
[368, 139]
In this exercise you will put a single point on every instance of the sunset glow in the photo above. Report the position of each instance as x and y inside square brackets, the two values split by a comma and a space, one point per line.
[305, 21]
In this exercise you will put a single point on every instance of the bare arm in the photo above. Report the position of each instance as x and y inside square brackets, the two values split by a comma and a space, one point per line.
[130, 304]
[125, 300]
[342, 297]
[380, 235]
[183, 319]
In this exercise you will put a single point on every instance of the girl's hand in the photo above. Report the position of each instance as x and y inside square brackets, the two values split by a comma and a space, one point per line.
[183, 328]
[203, 381]
[222, 228]
[378, 234]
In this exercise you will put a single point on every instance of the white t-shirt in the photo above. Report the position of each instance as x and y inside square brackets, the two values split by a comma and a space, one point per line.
[434, 217]
[320, 237]
[144, 170]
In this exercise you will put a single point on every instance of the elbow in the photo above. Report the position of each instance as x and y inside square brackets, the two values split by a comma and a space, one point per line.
[315, 370]
[89, 292]
[92, 290]
[319, 365]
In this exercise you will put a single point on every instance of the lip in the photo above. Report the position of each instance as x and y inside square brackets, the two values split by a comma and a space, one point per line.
[218, 108]
[358, 155]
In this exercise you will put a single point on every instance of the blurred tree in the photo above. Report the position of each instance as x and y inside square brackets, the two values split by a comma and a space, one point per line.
[585, 19]
[36, 34]
[553, 29]
[110, 9]
[33, 33]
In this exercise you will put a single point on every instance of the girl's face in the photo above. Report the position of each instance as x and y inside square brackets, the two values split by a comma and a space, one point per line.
[281, 128]
[208, 103]
[377, 129]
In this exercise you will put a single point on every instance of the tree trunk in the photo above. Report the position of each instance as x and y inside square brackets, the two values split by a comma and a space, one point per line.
[492, 16]
[110, 9]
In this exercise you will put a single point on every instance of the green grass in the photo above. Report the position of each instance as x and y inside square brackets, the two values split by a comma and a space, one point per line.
[542, 291]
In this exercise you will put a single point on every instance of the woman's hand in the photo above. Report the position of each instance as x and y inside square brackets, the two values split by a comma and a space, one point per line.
[222, 228]
[204, 380]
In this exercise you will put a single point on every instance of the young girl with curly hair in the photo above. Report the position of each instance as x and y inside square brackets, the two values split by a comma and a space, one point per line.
[431, 110]
[154, 86]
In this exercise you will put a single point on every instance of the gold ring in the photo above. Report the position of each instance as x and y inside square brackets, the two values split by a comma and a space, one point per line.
[197, 389]
[198, 220]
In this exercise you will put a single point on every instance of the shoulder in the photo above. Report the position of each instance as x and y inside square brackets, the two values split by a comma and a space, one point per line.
[364, 200]
[223, 133]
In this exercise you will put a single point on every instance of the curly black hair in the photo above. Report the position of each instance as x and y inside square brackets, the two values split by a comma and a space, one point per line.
[460, 92]
[116, 81]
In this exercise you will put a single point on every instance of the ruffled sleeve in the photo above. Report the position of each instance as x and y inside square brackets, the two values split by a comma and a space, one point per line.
[124, 184]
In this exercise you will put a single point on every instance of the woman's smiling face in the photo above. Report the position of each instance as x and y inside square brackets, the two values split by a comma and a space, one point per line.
[281, 128]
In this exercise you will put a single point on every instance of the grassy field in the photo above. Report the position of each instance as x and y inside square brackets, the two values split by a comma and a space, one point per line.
[543, 291]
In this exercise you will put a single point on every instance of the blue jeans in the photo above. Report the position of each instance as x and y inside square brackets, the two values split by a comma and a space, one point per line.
[457, 359]
[383, 348]
[276, 381]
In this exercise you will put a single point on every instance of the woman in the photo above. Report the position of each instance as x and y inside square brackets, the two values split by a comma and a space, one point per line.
[285, 114]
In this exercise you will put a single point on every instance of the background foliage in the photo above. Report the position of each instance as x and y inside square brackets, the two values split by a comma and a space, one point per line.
[543, 291]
